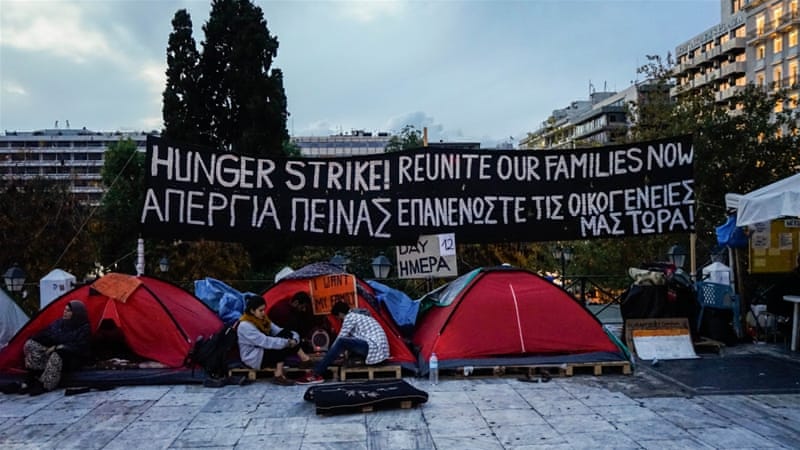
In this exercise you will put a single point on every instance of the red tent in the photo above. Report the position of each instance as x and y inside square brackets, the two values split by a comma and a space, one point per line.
[159, 320]
[511, 314]
[298, 281]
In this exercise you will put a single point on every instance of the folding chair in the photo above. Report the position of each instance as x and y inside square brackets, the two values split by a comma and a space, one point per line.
[718, 296]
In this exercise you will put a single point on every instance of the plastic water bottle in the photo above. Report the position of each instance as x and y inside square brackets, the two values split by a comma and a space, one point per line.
[433, 369]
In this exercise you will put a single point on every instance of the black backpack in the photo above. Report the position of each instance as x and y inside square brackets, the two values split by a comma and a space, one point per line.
[213, 353]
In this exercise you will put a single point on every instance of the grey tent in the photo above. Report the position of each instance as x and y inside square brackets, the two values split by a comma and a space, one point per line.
[12, 318]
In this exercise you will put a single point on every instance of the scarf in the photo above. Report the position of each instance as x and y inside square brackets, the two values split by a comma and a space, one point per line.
[264, 326]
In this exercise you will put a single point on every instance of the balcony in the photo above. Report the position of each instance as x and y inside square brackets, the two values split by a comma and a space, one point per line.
[738, 43]
[733, 68]
[726, 94]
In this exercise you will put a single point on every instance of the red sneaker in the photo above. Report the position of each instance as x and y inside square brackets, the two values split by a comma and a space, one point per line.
[310, 378]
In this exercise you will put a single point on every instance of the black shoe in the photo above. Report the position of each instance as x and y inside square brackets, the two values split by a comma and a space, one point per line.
[36, 389]
[76, 390]
[13, 387]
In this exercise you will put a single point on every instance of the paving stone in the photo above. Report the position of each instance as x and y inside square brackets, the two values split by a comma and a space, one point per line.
[335, 432]
[343, 445]
[600, 439]
[466, 442]
[395, 420]
[650, 429]
[288, 441]
[732, 437]
[525, 435]
[223, 437]
[624, 413]
[293, 426]
[512, 417]
[398, 440]
[219, 420]
[562, 407]
[673, 444]
[579, 423]
[55, 416]
[80, 439]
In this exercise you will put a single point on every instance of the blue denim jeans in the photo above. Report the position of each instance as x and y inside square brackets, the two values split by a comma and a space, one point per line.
[353, 345]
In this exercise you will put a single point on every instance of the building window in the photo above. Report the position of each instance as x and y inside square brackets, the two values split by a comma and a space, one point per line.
[760, 79]
[777, 78]
[736, 6]
[777, 45]
[760, 25]
[793, 73]
[761, 52]
[793, 38]
[777, 12]
[792, 102]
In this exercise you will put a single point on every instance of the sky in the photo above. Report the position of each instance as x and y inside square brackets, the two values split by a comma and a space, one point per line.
[467, 70]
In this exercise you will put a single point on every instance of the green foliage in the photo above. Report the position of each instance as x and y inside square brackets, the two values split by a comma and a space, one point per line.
[183, 104]
[42, 228]
[244, 97]
[120, 209]
[738, 146]
[408, 138]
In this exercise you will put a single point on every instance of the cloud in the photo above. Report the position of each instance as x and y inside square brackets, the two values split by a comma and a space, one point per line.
[13, 88]
[371, 11]
[52, 27]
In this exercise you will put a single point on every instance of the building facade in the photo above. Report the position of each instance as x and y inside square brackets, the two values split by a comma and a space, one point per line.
[357, 143]
[74, 156]
[601, 120]
[755, 42]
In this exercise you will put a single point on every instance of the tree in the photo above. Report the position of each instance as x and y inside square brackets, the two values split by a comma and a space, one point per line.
[408, 138]
[183, 106]
[740, 146]
[120, 209]
[244, 97]
[43, 227]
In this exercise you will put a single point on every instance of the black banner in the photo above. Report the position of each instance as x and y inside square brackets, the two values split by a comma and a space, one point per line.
[480, 195]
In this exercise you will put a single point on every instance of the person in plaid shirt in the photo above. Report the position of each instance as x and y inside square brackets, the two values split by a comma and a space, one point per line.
[360, 334]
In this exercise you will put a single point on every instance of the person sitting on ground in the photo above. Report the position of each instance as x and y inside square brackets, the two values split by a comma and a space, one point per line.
[361, 335]
[62, 346]
[295, 314]
[264, 344]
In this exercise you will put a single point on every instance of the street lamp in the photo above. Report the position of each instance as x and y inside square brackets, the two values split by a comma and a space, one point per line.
[563, 254]
[381, 266]
[677, 255]
[340, 261]
[163, 264]
[15, 278]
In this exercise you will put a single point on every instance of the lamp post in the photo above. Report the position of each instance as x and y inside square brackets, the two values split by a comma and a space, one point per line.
[563, 254]
[163, 264]
[677, 255]
[381, 266]
[15, 278]
[340, 261]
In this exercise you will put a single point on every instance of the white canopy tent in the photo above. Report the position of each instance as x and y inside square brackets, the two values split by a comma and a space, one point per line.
[54, 285]
[773, 201]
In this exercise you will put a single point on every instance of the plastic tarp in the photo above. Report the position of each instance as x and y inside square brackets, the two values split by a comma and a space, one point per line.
[402, 308]
[225, 300]
[12, 318]
[728, 234]
[773, 201]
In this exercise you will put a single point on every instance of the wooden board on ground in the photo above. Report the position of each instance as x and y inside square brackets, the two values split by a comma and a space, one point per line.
[253, 374]
[370, 372]
[663, 338]
[530, 370]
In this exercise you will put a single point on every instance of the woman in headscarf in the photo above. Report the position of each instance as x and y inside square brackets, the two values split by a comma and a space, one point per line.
[63, 345]
[264, 344]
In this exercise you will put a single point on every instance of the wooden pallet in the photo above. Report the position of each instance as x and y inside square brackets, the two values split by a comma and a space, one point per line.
[564, 370]
[405, 404]
[371, 372]
[268, 372]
